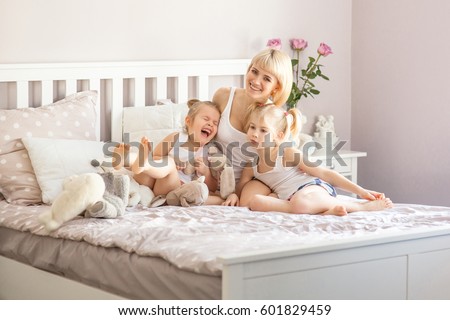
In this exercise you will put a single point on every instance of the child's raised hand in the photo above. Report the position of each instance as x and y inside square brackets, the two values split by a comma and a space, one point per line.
[180, 165]
[200, 167]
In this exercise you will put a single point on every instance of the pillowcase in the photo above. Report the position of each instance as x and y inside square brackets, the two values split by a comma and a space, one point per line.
[55, 159]
[71, 118]
[154, 122]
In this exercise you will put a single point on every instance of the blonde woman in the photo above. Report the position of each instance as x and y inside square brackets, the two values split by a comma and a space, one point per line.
[268, 80]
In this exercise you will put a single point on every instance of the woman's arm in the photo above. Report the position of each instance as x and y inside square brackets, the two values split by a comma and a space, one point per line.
[221, 97]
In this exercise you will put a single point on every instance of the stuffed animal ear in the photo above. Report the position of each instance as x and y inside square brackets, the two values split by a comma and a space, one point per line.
[188, 167]
[158, 201]
[172, 198]
[227, 182]
[216, 158]
[95, 163]
[102, 166]
[184, 202]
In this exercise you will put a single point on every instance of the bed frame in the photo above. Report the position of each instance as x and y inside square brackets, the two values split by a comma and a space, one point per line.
[409, 265]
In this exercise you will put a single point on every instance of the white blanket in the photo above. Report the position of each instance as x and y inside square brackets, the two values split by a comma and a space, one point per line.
[193, 238]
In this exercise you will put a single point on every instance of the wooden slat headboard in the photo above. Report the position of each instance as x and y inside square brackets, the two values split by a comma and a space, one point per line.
[120, 84]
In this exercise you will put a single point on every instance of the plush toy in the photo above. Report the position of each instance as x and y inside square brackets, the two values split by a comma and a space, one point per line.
[193, 193]
[138, 194]
[220, 169]
[115, 198]
[79, 192]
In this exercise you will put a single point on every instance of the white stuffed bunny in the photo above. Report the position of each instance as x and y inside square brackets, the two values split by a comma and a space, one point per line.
[139, 194]
[79, 192]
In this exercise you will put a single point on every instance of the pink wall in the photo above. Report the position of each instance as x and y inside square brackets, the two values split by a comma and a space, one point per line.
[401, 98]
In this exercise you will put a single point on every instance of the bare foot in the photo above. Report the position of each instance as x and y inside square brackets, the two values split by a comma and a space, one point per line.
[139, 164]
[336, 211]
[120, 157]
[376, 205]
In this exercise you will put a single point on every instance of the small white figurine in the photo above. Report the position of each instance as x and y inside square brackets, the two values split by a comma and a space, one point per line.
[324, 131]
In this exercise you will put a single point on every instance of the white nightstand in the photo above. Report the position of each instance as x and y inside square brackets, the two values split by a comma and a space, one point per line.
[346, 165]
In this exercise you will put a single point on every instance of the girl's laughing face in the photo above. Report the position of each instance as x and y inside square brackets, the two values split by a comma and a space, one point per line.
[203, 127]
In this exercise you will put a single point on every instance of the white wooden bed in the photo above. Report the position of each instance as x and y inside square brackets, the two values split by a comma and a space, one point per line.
[404, 263]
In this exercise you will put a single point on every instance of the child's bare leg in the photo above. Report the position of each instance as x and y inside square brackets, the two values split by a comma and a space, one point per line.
[167, 184]
[165, 175]
[145, 179]
[155, 168]
[213, 200]
[160, 169]
[370, 205]
[141, 161]
[250, 189]
[302, 203]
[338, 210]
[121, 156]
[265, 203]
[316, 200]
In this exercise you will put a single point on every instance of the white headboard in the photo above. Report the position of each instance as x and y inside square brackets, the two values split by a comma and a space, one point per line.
[120, 84]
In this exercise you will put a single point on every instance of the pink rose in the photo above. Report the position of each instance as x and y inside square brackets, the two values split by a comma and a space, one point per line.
[298, 44]
[274, 43]
[324, 50]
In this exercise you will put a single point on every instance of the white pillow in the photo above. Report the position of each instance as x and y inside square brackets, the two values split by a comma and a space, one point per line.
[55, 159]
[155, 122]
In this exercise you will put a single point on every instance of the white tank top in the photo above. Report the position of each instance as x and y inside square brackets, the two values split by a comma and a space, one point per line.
[182, 154]
[233, 142]
[284, 181]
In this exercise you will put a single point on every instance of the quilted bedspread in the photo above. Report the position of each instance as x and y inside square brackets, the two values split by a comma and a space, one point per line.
[193, 238]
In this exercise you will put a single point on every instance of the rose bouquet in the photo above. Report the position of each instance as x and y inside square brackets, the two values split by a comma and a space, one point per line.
[303, 85]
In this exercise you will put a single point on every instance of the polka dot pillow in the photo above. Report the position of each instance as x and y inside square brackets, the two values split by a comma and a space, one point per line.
[71, 118]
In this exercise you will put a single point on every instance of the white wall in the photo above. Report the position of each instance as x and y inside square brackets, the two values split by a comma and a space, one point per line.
[401, 97]
[108, 30]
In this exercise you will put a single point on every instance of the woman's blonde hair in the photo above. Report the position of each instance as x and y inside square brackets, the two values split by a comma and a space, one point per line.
[279, 64]
[288, 122]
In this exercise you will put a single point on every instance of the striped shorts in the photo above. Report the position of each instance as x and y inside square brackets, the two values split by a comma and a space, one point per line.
[318, 182]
